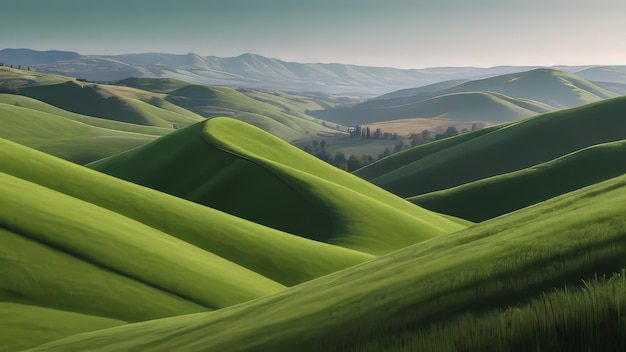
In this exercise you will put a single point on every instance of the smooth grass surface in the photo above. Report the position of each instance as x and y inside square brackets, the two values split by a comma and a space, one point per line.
[362, 207]
[494, 264]
[65, 138]
[242, 170]
[99, 101]
[14, 77]
[271, 113]
[277, 255]
[33, 104]
[413, 154]
[119, 244]
[505, 193]
[462, 106]
[556, 88]
[35, 273]
[520, 145]
[497, 99]
[23, 326]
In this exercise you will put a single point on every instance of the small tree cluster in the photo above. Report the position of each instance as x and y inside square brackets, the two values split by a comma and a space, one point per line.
[360, 132]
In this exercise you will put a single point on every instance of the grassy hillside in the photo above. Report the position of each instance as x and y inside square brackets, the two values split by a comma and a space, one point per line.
[19, 321]
[619, 88]
[99, 101]
[63, 137]
[112, 241]
[464, 106]
[490, 197]
[33, 104]
[498, 264]
[553, 87]
[238, 168]
[519, 145]
[281, 114]
[425, 91]
[497, 99]
[133, 253]
[11, 78]
[408, 156]
[157, 85]
[615, 74]
[282, 257]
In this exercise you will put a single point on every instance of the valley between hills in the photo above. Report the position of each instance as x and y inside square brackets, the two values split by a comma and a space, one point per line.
[167, 203]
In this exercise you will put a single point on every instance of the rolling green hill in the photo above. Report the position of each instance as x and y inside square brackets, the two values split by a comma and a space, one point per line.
[282, 257]
[493, 196]
[19, 321]
[425, 91]
[497, 99]
[517, 146]
[464, 106]
[553, 87]
[33, 104]
[133, 253]
[464, 278]
[242, 170]
[281, 114]
[100, 101]
[615, 74]
[410, 155]
[11, 78]
[157, 85]
[64, 137]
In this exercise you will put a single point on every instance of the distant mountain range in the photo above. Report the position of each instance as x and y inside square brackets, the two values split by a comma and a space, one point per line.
[254, 71]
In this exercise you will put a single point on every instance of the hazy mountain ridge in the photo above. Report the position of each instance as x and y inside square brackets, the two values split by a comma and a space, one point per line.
[249, 70]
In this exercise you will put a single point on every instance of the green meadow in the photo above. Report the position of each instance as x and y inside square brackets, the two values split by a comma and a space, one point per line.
[503, 149]
[508, 192]
[239, 169]
[161, 215]
[425, 288]
[65, 137]
[281, 114]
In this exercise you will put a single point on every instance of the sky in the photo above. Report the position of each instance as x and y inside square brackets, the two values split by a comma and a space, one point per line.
[393, 33]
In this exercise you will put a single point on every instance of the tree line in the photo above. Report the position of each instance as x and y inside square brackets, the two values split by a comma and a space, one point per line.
[19, 67]
[339, 159]
[355, 162]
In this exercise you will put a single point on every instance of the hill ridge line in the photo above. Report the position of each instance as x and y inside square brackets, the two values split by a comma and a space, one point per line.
[259, 161]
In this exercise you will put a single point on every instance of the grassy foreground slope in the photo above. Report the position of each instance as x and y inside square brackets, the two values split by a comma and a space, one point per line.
[237, 168]
[19, 322]
[63, 258]
[276, 255]
[496, 264]
[493, 196]
[113, 241]
[519, 145]
[66, 138]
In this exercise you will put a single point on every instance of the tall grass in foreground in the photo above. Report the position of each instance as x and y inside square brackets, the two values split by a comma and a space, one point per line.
[592, 318]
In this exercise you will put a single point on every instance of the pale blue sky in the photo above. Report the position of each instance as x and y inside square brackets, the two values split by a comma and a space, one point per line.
[398, 33]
